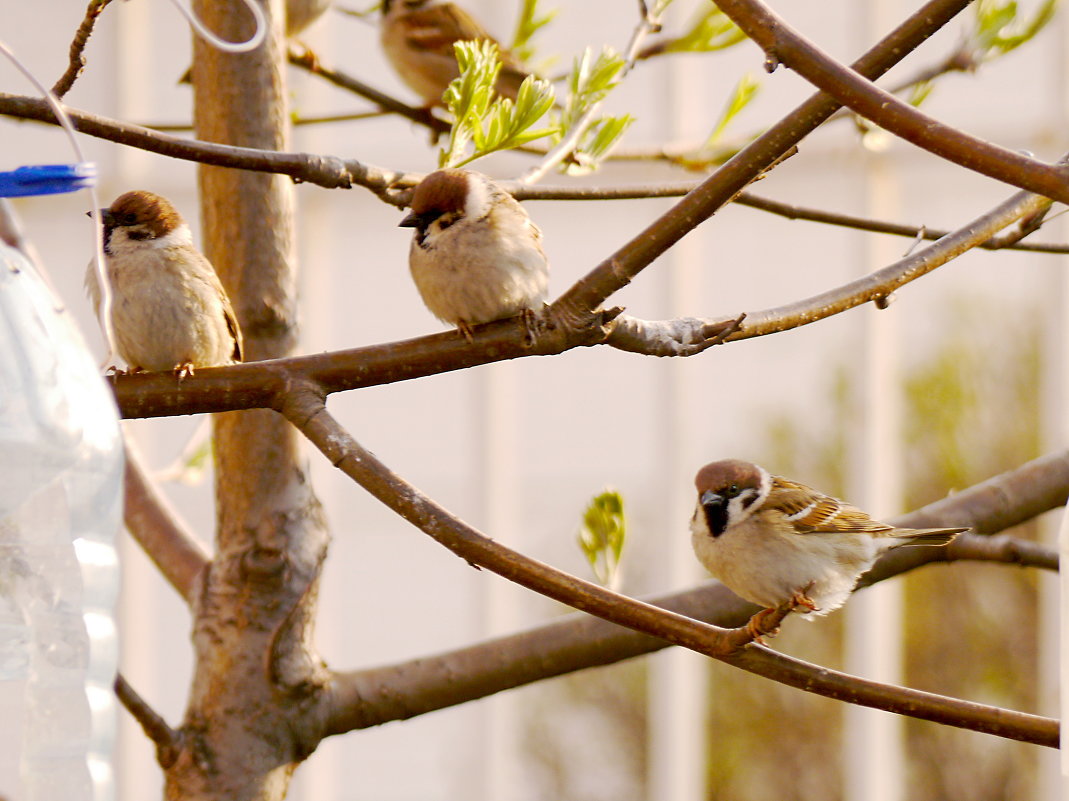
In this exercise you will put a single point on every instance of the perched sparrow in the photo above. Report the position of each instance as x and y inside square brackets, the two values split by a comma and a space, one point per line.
[168, 309]
[475, 255]
[776, 542]
[417, 37]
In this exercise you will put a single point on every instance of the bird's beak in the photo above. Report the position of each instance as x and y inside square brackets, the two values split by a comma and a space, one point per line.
[105, 217]
[710, 499]
[411, 220]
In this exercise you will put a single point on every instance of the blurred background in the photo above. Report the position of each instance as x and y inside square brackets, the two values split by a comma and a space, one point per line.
[963, 377]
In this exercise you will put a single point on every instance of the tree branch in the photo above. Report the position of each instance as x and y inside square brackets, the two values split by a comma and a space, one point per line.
[327, 171]
[81, 39]
[307, 411]
[684, 336]
[788, 210]
[167, 740]
[393, 187]
[264, 384]
[370, 697]
[615, 272]
[995, 505]
[160, 531]
[880, 284]
[782, 44]
[305, 59]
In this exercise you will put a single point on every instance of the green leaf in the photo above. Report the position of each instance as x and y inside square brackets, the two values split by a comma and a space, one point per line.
[529, 23]
[745, 91]
[482, 119]
[998, 30]
[602, 535]
[920, 92]
[709, 31]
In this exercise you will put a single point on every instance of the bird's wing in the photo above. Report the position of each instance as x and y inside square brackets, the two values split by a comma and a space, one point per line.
[435, 28]
[813, 512]
[232, 326]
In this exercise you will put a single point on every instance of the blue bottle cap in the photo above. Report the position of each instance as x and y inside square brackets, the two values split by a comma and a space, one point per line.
[47, 179]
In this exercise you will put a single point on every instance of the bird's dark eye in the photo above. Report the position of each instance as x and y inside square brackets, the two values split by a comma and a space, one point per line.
[447, 219]
[128, 219]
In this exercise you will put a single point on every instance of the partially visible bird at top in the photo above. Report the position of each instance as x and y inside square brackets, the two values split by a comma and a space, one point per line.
[169, 310]
[418, 36]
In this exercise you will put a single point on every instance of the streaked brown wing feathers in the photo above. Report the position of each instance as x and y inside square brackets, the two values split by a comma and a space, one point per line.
[815, 513]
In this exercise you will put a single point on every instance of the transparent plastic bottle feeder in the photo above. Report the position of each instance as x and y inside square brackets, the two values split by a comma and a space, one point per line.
[61, 463]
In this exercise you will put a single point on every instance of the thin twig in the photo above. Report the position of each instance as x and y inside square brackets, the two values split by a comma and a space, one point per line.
[422, 116]
[81, 38]
[647, 24]
[789, 210]
[308, 412]
[1010, 241]
[167, 740]
[882, 283]
[298, 121]
[784, 45]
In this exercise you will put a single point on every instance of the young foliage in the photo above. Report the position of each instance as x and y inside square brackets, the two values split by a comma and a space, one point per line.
[590, 81]
[484, 123]
[709, 31]
[483, 120]
[714, 150]
[602, 535]
[745, 91]
[529, 23]
[999, 30]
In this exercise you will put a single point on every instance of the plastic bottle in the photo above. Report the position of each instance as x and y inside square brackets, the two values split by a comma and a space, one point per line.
[61, 463]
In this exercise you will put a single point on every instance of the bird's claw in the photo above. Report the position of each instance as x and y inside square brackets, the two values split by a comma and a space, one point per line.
[801, 599]
[531, 324]
[466, 331]
[758, 626]
[184, 370]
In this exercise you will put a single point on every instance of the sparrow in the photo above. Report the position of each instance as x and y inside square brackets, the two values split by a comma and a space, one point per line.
[475, 254]
[417, 37]
[778, 543]
[168, 309]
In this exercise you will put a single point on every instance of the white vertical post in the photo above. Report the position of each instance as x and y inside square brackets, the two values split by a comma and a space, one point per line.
[873, 759]
[1053, 642]
[678, 689]
[497, 482]
[1063, 652]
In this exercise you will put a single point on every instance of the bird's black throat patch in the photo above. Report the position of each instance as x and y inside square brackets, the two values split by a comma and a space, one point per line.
[716, 514]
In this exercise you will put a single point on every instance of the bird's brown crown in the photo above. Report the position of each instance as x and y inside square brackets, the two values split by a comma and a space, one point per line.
[727, 472]
[153, 213]
[441, 192]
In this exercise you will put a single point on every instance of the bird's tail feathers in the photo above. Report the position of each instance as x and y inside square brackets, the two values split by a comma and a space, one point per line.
[929, 536]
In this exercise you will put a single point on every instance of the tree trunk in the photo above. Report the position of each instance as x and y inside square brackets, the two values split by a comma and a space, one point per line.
[256, 670]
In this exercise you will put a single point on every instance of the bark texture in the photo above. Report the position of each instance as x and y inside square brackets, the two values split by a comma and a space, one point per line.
[246, 726]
